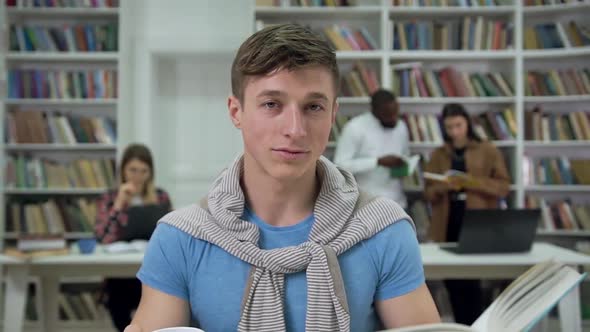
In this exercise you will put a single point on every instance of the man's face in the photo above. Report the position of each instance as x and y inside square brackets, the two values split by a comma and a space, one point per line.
[286, 118]
[387, 114]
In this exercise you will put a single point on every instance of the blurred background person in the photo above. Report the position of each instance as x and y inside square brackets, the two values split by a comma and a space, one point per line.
[136, 189]
[488, 183]
[373, 143]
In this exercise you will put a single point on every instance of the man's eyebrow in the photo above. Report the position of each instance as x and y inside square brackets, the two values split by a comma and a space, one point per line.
[317, 95]
[271, 93]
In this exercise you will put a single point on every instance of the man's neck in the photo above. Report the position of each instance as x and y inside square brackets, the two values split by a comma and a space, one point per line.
[278, 203]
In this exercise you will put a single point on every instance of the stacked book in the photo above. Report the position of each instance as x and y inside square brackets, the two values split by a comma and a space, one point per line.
[50, 217]
[39, 173]
[556, 171]
[411, 80]
[572, 126]
[561, 214]
[62, 84]
[470, 33]
[562, 82]
[38, 127]
[360, 81]
[68, 38]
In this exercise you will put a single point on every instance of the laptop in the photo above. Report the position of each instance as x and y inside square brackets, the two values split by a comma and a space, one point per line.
[490, 231]
[142, 221]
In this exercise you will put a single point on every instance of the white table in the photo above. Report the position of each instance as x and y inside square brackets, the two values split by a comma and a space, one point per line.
[438, 264]
[441, 264]
[50, 270]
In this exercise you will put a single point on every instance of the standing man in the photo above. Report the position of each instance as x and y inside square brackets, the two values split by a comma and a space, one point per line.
[372, 143]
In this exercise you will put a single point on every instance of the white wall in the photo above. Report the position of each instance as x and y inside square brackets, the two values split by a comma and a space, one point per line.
[174, 73]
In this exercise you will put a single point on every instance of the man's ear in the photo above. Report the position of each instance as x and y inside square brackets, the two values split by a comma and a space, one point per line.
[235, 111]
[335, 110]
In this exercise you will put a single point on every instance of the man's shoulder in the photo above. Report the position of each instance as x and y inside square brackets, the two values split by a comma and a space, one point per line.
[378, 211]
[186, 219]
[360, 121]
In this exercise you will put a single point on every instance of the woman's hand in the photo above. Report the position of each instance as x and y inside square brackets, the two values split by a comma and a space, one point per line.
[126, 191]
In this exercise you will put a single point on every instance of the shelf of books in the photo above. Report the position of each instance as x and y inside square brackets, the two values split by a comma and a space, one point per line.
[59, 131]
[521, 68]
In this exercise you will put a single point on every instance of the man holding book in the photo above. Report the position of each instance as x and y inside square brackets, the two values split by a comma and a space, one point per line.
[374, 143]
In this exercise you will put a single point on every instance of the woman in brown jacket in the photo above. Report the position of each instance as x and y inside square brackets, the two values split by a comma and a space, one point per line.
[482, 161]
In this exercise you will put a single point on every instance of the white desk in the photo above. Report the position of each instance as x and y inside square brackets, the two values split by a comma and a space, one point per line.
[438, 264]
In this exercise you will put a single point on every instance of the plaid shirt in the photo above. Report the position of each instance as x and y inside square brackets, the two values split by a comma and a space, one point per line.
[110, 222]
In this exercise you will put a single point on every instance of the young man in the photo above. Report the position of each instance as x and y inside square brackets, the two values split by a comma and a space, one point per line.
[284, 240]
[372, 143]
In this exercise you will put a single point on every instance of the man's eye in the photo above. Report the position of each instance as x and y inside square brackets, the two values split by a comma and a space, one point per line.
[315, 107]
[271, 105]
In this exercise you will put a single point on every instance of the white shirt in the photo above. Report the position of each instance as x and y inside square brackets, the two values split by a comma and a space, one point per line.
[362, 142]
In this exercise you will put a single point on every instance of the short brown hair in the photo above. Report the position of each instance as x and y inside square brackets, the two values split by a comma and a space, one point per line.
[284, 46]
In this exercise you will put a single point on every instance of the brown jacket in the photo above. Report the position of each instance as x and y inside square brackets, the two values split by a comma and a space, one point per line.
[484, 162]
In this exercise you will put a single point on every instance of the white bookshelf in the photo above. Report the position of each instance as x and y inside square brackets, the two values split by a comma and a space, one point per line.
[80, 147]
[557, 144]
[569, 189]
[62, 56]
[566, 53]
[54, 191]
[461, 100]
[555, 9]
[416, 11]
[62, 12]
[84, 107]
[61, 102]
[454, 55]
[514, 61]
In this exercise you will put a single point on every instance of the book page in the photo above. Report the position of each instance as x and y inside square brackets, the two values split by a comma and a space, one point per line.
[568, 278]
[518, 289]
[523, 285]
[434, 176]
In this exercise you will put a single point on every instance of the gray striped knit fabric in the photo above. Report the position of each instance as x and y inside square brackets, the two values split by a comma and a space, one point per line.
[343, 218]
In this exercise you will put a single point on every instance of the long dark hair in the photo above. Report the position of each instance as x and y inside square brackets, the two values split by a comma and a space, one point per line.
[453, 109]
[143, 154]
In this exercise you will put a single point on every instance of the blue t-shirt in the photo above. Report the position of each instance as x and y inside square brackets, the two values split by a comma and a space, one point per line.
[212, 281]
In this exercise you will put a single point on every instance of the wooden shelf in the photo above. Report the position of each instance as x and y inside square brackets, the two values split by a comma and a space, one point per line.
[61, 147]
[61, 102]
[452, 55]
[55, 191]
[60, 12]
[63, 56]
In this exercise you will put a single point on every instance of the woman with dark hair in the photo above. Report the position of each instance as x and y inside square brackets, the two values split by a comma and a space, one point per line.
[135, 188]
[489, 182]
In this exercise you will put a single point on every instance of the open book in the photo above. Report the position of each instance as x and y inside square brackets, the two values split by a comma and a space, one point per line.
[408, 168]
[462, 177]
[521, 305]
